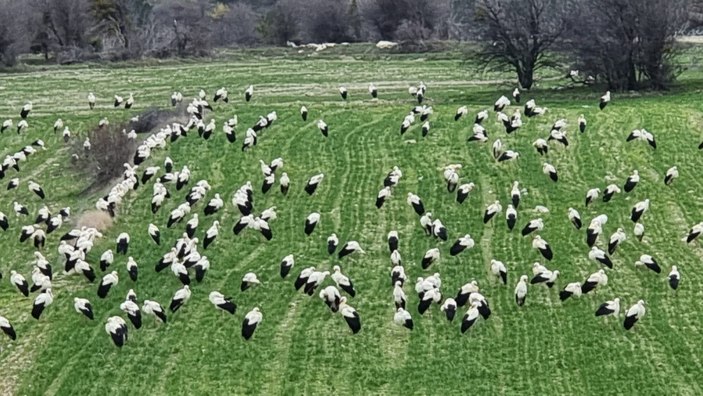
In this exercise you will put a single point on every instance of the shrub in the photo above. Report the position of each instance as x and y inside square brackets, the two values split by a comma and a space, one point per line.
[110, 149]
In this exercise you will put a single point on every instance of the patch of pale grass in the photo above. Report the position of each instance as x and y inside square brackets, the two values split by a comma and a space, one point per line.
[96, 219]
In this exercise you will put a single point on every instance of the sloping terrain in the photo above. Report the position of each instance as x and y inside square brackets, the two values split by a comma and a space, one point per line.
[545, 347]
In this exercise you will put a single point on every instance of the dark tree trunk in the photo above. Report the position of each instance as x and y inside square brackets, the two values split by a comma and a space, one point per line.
[631, 76]
[525, 76]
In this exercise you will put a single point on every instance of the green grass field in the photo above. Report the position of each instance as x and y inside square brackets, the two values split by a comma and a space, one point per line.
[545, 347]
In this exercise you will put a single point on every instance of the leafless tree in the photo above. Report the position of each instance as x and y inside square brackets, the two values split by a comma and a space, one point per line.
[519, 33]
[62, 27]
[410, 20]
[326, 21]
[236, 27]
[188, 24]
[281, 23]
[128, 22]
[14, 20]
[630, 44]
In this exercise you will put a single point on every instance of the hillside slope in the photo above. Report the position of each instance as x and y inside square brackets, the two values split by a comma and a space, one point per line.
[546, 347]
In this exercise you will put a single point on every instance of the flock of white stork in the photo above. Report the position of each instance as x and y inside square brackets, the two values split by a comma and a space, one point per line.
[185, 260]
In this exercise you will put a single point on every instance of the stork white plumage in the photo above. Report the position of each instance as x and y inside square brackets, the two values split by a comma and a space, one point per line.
[116, 327]
[592, 195]
[634, 314]
[180, 297]
[415, 201]
[7, 328]
[449, 308]
[154, 233]
[129, 102]
[134, 314]
[107, 282]
[430, 257]
[515, 194]
[693, 233]
[403, 318]
[610, 190]
[465, 292]
[508, 155]
[639, 231]
[26, 109]
[516, 95]
[331, 297]
[551, 171]
[521, 291]
[596, 254]
[604, 100]
[671, 175]
[544, 275]
[19, 281]
[349, 248]
[311, 222]
[383, 194]
[224, 303]
[154, 308]
[638, 210]
[674, 277]
[42, 301]
[491, 211]
[393, 241]
[511, 217]
[248, 280]
[461, 244]
[572, 289]
[594, 280]
[342, 281]
[470, 317]
[609, 308]
[399, 297]
[532, 226]
[499, 270]
[350, 315]
[132, 269]
[122, 243]
[543, 247]
[22, 126]
[632, 181]
[649, 262]
[106, 259]
[323, 127]
[582, 123]
[221, 94]
[460, 112]
[251, 321]
[463, 192]
[373, 91]
[593, 232]
[58, 124]
[501, 104]
[616, 239]
[313, 183]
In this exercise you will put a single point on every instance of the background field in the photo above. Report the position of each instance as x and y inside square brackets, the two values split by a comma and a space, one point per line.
[544, 348]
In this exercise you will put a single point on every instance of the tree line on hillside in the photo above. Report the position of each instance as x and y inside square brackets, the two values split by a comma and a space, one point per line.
[626, 43]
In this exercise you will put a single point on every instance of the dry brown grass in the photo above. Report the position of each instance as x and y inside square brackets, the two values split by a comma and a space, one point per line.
[95, 218]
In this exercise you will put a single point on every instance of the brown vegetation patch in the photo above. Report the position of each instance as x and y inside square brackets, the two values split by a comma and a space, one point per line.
[97, 219]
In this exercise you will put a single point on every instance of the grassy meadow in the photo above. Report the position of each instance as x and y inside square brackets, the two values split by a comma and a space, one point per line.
[545, 347]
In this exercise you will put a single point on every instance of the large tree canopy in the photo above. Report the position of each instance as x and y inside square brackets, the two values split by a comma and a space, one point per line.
[518, 33]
